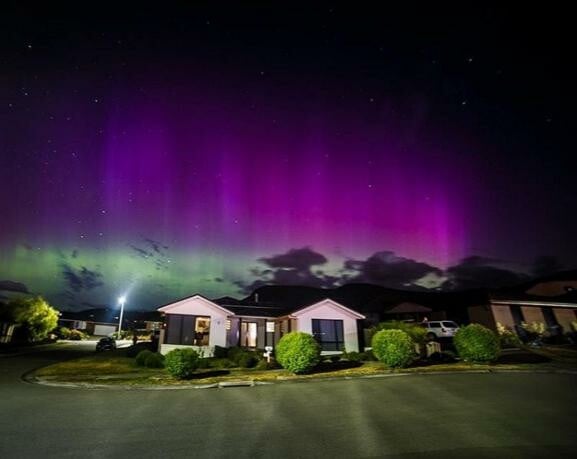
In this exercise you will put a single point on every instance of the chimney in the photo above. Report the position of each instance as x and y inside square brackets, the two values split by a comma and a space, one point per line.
[256, 297]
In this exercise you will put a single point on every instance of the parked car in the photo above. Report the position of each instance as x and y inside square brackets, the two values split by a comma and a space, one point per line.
[106, 344]
[440, 329]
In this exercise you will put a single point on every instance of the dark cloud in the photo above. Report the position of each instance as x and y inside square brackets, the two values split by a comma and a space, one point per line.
[298, 259]
[11, 286]
[157, 246]
[154, 251]
[479, 272]
[290, 268]
[389, 270]
[82, 279]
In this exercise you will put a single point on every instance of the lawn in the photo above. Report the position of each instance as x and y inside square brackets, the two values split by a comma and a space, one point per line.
[116, 368]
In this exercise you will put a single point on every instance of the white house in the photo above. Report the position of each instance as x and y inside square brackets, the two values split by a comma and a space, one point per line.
[203, 324]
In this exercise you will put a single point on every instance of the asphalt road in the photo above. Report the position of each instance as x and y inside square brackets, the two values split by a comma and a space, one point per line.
[458, 415]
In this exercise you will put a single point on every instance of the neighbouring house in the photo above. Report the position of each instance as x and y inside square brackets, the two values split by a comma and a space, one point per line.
[559, 314]
[200, 323]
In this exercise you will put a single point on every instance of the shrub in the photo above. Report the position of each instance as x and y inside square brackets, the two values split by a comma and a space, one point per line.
[63, 332]
[181, 363]
[475, 343]
[368, 356]
[220, 363]
[234, 354]
[247, 360]
[142, 356]
[124, 334]
[220, 352]
[298, 352]
[414, 330]
[335, 358]
[507, 337]
[77, 335]
[154, 360]
[137, 348]
[394, 348]
[352, 356]
[203, 363]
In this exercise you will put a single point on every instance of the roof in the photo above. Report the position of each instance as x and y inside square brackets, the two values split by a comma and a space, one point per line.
[407, 307]
[168, 307]
[331, 303]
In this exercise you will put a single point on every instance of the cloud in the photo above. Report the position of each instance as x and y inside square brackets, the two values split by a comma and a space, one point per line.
[290, 268]
[389, 270]
[11, 286]
[153, 251]
[479, 272]
[80, 280]
[298, 259]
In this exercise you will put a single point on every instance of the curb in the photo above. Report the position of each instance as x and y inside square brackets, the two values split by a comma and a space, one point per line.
[31, 379]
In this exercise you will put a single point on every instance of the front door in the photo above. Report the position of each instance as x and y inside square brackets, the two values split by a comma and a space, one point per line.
[248, 334]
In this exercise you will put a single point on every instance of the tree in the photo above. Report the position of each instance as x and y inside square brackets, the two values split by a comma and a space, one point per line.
[35, 315]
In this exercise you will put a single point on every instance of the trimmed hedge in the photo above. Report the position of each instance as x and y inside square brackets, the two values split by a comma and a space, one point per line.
[394, 348]
[478, 344]
[141, 357]
[154, 360]
[298, 352]
[181, 363]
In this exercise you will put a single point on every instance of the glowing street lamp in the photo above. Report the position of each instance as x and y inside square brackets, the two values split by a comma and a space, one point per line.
[121, 301]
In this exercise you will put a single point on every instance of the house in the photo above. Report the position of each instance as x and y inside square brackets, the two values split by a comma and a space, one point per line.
[511, 308]
[203, 324]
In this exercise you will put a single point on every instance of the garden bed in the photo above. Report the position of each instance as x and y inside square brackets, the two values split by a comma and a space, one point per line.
[116, 369]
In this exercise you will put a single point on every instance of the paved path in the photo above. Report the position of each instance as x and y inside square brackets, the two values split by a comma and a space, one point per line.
[445, 416]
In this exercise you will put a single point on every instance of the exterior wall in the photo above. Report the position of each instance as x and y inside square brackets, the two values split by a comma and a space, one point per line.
[305, 324]
[565, 316]
[198, 306]
[503, 315]
[532, 314]
[484, 315]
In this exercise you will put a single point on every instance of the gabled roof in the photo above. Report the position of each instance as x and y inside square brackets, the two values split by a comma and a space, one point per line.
[168, 307]
[332, 303]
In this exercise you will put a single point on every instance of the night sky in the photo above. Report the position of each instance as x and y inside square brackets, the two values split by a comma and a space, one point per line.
[214, 149]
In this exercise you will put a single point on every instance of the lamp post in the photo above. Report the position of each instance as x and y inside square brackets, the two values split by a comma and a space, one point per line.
[121, 301]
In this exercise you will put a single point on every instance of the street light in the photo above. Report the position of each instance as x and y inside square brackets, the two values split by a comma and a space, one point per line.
[121, 301]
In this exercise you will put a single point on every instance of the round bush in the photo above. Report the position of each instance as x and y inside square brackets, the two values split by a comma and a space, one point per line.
[181, 363]
[154, 360]
[141, 357]
[394, 348]
[475, 343]
[298, 352]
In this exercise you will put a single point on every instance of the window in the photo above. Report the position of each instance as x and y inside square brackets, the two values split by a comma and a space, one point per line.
[329, 334]
[187, 330]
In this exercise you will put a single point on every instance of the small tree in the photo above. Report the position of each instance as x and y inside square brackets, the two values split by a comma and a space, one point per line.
[394, 348]
[35, 315]
[298, 352]
[181, 363]
[475, 343]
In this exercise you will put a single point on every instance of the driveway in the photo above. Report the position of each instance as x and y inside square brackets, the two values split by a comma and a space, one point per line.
[457, 415]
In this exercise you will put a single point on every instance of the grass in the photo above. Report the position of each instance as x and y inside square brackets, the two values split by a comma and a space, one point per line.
[115, 368]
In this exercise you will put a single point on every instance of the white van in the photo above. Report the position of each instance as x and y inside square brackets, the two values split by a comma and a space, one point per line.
[440, 328]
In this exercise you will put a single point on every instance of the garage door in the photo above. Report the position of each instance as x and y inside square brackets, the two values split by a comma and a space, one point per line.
[104, 330]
